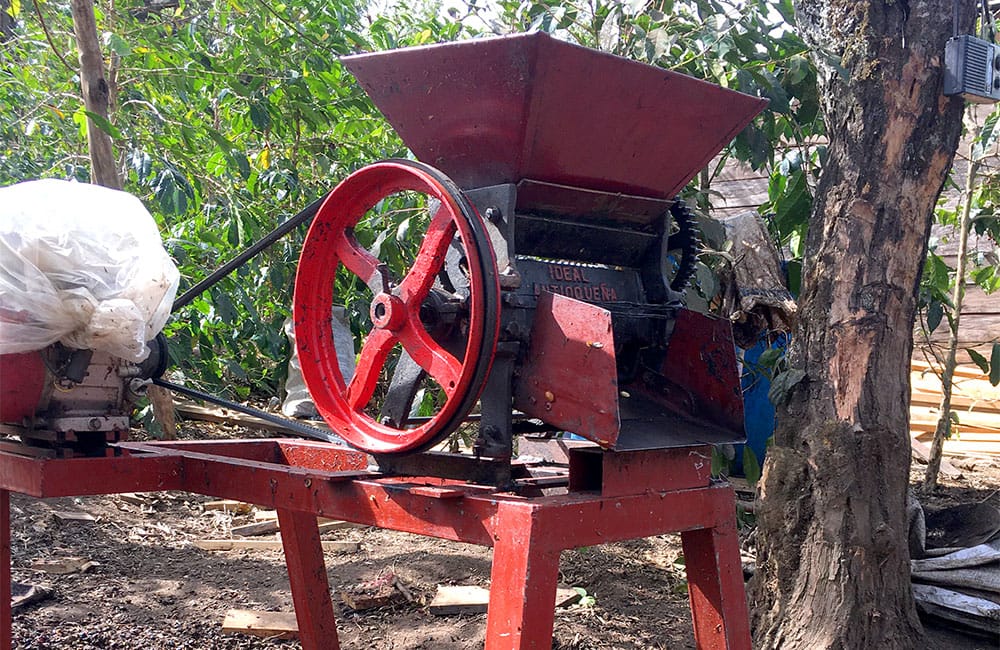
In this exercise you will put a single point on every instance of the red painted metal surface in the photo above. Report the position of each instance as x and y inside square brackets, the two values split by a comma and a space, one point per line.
[522, 582]
[45, 478]
[22, 382]
[715, 587]
[309, 584]
[395, 309]
[621, 474]
[5, 590]
[701, 358]
[569, 378]
[500, 110]
[527, 533]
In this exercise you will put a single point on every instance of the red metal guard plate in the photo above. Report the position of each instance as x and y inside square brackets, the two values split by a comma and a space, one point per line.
[569, 379]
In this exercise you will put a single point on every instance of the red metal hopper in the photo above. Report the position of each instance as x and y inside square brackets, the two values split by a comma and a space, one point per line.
[501, 110]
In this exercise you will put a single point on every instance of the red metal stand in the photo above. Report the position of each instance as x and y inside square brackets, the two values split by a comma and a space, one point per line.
[5, 590]
[668, 491]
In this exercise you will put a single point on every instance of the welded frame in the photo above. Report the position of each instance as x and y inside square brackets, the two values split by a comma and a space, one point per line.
[634, 495]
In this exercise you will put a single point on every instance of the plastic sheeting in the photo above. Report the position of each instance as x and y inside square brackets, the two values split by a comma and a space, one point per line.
[83, 265]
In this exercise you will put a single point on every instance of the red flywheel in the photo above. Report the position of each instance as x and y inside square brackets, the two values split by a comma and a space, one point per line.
[396, 308]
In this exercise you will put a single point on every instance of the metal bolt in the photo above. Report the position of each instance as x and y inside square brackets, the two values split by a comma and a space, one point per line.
[493, 214]
[95, 424]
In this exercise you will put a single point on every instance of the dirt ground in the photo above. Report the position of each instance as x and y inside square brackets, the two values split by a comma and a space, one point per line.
[151, 589]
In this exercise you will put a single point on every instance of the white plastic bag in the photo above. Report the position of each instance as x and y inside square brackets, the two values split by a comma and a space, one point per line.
[298, 402]
[81, 264]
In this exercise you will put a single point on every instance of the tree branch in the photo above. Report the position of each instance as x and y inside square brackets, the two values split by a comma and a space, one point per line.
[48, 38]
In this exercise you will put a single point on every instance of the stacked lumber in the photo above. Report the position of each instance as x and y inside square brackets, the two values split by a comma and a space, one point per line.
[974, 402]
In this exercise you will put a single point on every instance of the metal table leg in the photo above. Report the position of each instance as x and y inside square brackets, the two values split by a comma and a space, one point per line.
[715, 585]
[523, 583]
[6, 633]
[307, 575]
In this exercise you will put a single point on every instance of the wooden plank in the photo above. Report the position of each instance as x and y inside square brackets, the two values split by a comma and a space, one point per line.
[268, 545]
[235, 418]
[273, 625]
[64, 565]
[983, 421]
[324, 523]
[228, 505]
[257, 528]
[472, 599]
[954, 446]
[964, 370]
[459, 599]
[224, 416]
[335, 524]
[957, 402]
[265, 515]
[24, 595]
[73, 516]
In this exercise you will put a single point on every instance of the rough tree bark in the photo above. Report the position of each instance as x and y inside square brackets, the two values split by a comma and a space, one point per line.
[95, 93]
[833, 568]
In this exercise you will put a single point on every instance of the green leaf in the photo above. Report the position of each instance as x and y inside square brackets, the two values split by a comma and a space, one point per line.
[987, 138]
[720, 464]
[793, 205]
[995, 365]
[793, 269]
[770, 357]
[103, 124]
[259, 115]
[118, 45]
[14, 9]
[935, 311]
[783, 383]
[979, 360]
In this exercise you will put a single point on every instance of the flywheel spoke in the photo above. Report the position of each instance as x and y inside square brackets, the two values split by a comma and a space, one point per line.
[439, 364]
[362, 263]
[414, 287]
[373, 355]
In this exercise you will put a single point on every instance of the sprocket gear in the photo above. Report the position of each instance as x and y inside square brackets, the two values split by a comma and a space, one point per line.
[686, 239]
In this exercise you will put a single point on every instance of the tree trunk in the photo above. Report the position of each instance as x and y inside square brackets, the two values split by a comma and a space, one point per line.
[97, 96]
[95, 93]
[833, 563]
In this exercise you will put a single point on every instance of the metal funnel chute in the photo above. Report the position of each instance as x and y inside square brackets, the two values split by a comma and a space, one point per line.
[501, 110]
